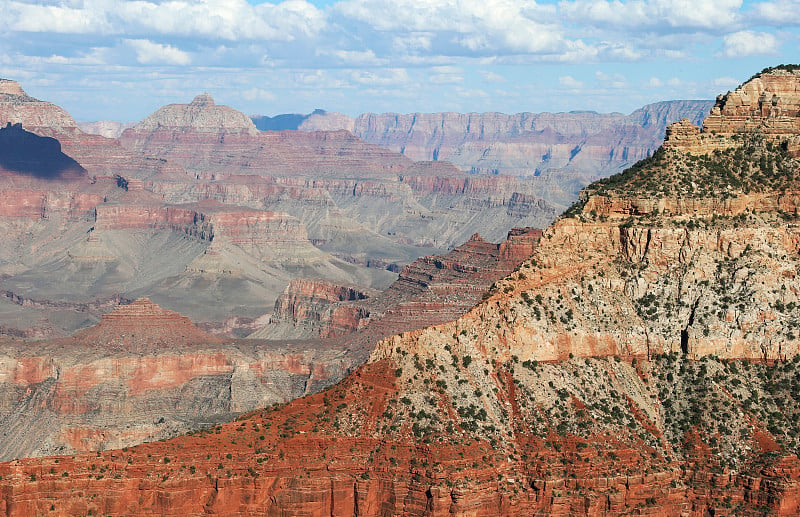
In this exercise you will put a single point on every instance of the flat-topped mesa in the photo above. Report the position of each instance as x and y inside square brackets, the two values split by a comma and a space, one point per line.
[202, 115]
[143, 323]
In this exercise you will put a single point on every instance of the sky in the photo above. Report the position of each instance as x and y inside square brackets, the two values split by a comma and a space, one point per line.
[123, 59]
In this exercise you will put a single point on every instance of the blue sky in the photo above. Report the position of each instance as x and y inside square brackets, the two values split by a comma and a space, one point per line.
[122, 59]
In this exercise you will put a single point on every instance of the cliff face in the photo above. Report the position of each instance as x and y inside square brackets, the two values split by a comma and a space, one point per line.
[524, 144]
[768, 104]
[644, 360]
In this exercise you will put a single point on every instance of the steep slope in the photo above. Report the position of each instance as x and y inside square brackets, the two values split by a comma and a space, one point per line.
[489, 415]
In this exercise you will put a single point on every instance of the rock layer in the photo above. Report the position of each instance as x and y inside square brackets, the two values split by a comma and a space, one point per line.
[428, 291]
[524, 144]
[143, 373]
[768, 103]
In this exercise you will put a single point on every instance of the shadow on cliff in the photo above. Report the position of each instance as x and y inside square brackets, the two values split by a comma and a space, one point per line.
[283, 122]
[26, 153]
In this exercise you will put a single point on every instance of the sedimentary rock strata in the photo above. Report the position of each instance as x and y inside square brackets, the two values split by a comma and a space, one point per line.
[523, 144]
[361, 202]
[143, 373]
[768, 103]
[644, 360]
[428, 291]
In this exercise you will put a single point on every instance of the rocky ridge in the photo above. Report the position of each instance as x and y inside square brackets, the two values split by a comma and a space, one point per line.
[430, 290]
[627, 379]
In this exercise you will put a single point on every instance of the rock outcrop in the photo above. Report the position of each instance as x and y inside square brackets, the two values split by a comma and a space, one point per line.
[768, 103]
[17, 107]
[201, 115]
[309, 308]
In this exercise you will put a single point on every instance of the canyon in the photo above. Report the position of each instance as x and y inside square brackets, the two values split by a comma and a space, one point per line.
[198, 210]
[143, 373]
[643, 360]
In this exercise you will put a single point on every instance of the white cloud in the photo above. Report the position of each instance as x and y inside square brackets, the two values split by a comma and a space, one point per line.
[649, 15]
[259, 94]
[148, 53]
[749, 43]
[780, 13]
[567, 81]
[475, 25]
[412, 42]
[28, 17]
[611, 81]
[386, 77]
[352, 57]
[492, 77]
[212, 19]
[446, 79]
[655, 82]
